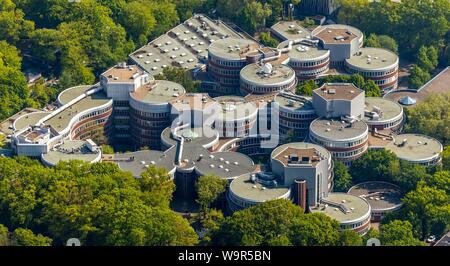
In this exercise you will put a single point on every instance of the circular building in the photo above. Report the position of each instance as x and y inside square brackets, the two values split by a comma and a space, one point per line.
[86, 151]
[307, 60]
[383, 114]
[150, 111]
[352, 212]
[295, 115]
[252, 189]
[267, 78]
[377, 64]
[415, 148]
[347, 141]
[407, 98]
[301, 161]
[226, 58]
[235, 116]
[382, 197]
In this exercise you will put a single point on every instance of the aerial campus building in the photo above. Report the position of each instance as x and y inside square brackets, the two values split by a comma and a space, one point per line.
[247, 107]
[312, 54]
[382, 197]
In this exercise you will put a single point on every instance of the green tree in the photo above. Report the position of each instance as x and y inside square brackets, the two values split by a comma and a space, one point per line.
[157, 186]
[266, 39]
[428, 210]
[371, 89]
[418, 77]
[14, 93]
[257, 225]
[4, 236]
[446, 158]
[13, 25]
[306, 87]
[431, 117]
[375, 165]
[410, 175]
[209, 189]
[398, 233]
[180, 76]
[427, 58]
[412, 23]
[315, 229]
[358, 80]
[342, 178]
[382, 41]
[254, 16]
[106, 149]
[211, 221]
[138, 20]
[97, 203]
[350, 238]
[25, 237]
[439, 180]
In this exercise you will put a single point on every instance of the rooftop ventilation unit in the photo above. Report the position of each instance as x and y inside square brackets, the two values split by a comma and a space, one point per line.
[267, 68]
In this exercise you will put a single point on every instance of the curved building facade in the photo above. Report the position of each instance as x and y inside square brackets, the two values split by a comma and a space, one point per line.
[295, 115]
[377, 64]
[417, 149]
[235, 116]
[306, 59]
[150, 111]
[381, 114]
[347, 141]
[226, 58]
[352, 212]
[267, 78]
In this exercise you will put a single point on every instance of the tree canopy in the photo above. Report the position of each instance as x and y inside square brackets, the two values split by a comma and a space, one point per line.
[209, 189]
[97, 203]
[431, 117]
[280, 222]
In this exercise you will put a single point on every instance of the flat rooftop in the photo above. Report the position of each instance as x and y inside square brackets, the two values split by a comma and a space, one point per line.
[123, 74]
[61, 120]
[337, 130]
[337, 33]
[338, 91]
[280, 74]
[233, 48]
[245, 188]
[303, 51]
[315, 152]
[196, 154]
[138, 162]
[29, 120]
[294, 102]
[193, 101]
[389, 109]
[343, 207]
[159, 91]
[71, 93]
[71, 150]
[235, 107]
[371, 58]
[186, 45]
[380, 195]
[416, 148]
[439, 84]
[290, 30]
